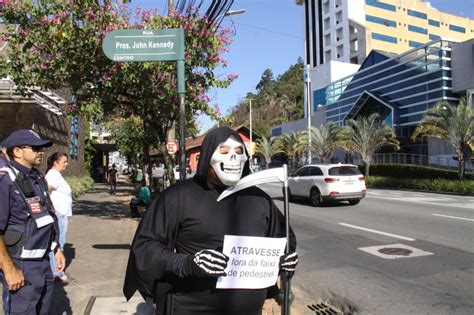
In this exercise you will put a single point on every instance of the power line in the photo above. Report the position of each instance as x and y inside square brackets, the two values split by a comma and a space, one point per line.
[269, 31]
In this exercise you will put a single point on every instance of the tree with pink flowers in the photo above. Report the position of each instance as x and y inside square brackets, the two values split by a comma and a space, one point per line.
[58, 44]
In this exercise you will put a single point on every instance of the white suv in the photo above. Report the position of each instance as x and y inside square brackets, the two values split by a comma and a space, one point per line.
[323, 183]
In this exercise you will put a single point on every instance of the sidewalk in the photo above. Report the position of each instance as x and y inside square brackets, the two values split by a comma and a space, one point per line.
[97, 248]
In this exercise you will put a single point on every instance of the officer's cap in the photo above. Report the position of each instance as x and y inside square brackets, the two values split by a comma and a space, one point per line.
[25, 137]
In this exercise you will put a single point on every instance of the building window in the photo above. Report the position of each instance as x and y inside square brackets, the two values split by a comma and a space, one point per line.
[276, 132]
[433, 23]
[434, 37]
[327, 39]
[417, 29]
[384, 38]
[326, 7]
[381, 5]
[354, 45]
[414, 44]
[417, 14]
[378, 20]
[457, 28]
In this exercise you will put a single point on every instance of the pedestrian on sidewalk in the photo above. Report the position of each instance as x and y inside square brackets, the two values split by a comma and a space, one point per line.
[113, 176]
[176, 255]
[28, 227]
[61, 197]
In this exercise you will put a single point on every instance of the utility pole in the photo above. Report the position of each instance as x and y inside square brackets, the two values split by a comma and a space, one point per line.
[251, 133]
[307, 80]
[170, 7]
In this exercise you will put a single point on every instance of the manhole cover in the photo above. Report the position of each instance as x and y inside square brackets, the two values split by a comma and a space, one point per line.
[324, 309]
[395, 251]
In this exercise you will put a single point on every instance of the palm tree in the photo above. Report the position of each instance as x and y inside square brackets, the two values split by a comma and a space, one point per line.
[453, 124]
[226, 121]
[366, 135]
[323, 140]
[267, 149]
[291, 145]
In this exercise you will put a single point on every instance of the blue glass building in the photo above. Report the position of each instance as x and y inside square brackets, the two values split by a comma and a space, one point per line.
[399, 87]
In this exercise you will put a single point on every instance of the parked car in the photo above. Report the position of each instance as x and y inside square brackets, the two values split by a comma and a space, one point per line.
[323, 183]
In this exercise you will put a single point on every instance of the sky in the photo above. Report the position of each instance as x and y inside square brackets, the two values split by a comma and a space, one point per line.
[270, 34]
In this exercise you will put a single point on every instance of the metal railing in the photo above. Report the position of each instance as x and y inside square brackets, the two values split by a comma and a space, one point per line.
[446, 162]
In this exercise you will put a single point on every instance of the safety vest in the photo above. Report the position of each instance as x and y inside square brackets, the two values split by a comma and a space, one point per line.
[33, 239]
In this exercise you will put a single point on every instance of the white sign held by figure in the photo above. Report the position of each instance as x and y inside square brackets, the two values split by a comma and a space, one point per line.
[253, 262]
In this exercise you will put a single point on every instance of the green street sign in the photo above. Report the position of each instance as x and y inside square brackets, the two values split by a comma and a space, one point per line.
[144, 45]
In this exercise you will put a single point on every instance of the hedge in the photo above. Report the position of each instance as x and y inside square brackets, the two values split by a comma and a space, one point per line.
[435, 185]
[413, 171]
[80, 184]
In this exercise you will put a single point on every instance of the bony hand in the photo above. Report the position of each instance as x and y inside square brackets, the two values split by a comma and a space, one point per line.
[207, 263]
[288, 262]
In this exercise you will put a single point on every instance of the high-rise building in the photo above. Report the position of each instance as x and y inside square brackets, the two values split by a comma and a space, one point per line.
[340, 34]
[347, 30]
[397, 58]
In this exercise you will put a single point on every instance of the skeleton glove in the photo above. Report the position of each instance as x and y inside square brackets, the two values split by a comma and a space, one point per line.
[207, 263]
[288, 263]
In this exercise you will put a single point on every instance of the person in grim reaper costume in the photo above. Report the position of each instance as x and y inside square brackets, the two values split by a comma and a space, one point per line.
[176, 257]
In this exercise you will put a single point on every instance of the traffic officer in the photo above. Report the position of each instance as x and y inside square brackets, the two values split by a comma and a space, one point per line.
[27, 227]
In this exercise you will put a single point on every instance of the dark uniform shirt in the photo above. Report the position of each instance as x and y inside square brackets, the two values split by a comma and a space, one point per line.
[13, 209]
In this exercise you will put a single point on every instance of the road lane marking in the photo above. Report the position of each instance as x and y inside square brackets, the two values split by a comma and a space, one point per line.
[408, 199]
[378, 232]
[452, 217]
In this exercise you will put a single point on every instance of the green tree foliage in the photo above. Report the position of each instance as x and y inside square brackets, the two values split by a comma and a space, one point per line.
[452, 123]
[267, 149]
[324, 141]
[366, 135]
[266, 81]
[276, 102]
[58, 44]
[292, 144]
[53, 45]
[128, 134]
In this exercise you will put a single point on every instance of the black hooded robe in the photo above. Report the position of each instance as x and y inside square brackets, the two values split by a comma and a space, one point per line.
[185, 219]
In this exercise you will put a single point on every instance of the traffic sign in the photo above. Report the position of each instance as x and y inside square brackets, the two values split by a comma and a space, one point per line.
[144, 45]
[172, 147]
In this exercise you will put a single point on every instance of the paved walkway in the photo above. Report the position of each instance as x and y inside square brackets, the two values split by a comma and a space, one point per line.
[97, 248]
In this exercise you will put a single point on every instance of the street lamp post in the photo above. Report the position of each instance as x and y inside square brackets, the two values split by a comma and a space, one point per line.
[308, 110]
[251, 133]
[235, 12]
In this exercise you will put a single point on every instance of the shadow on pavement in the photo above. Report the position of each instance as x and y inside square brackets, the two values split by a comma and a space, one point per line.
[306, 202]
[69, 253]
[120, 190]
[60, 304]
[111, 246]
[101, 209]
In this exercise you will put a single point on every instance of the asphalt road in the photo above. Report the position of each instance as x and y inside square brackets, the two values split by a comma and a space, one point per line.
[397, 252]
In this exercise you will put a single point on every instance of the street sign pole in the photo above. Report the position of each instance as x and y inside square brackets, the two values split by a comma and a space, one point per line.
[153, 45]
[182, 120]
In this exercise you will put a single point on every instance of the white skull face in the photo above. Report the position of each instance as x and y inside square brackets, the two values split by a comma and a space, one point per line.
[228, 161]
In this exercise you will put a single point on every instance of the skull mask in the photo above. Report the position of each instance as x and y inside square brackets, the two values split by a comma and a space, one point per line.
[228, 161]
